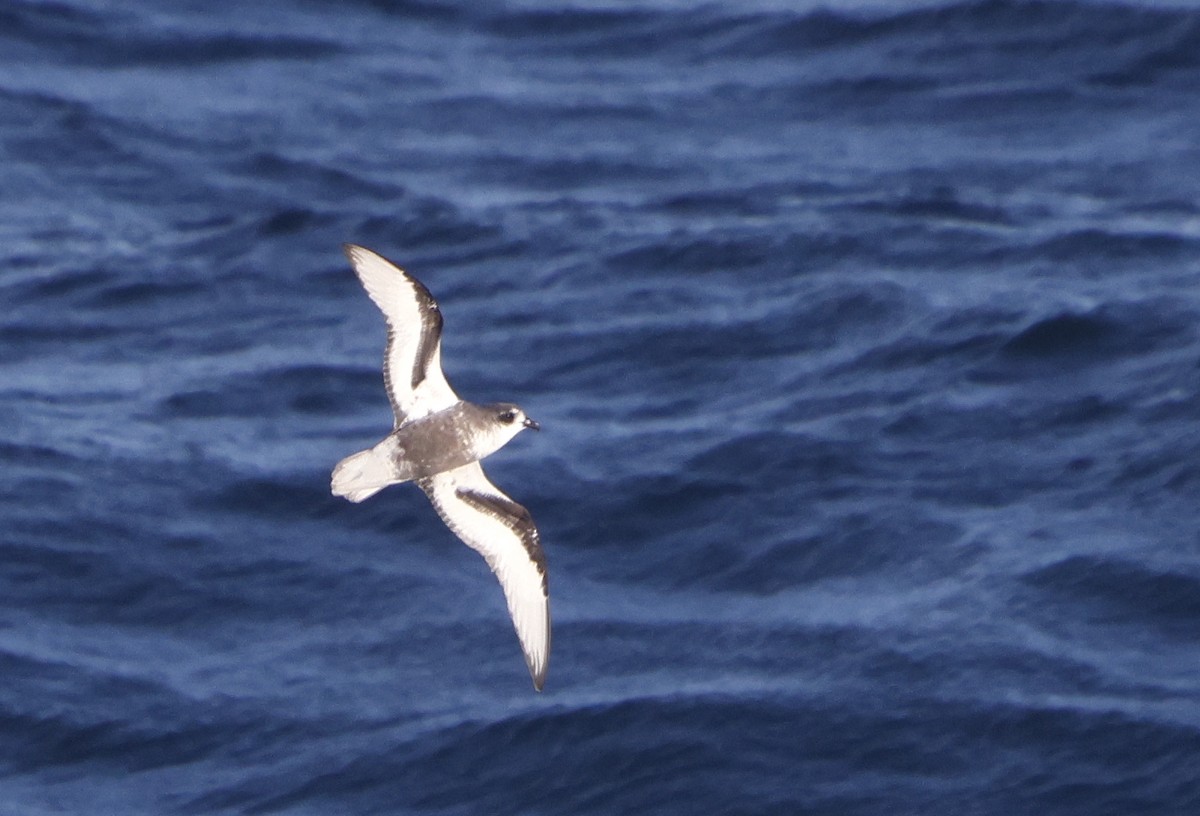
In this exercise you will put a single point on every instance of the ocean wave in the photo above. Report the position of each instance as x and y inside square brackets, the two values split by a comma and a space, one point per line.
[1114, 592]
[107, 40]
[863, 339]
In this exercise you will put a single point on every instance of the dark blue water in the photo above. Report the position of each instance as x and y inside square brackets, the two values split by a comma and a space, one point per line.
[866, 342]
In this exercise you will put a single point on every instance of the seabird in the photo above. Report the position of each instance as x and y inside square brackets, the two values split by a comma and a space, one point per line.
[437, 442]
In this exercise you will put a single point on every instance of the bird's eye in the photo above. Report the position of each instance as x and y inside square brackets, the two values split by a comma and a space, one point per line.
[507, 417]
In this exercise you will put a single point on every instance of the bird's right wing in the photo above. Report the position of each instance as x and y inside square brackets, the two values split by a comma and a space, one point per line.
[412, 363]
[503, 532]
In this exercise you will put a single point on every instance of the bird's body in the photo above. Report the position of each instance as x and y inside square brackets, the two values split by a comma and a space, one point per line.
[437, 442]
[433, 444]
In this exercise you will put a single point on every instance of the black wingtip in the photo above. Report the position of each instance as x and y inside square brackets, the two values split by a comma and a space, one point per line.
[539, 677]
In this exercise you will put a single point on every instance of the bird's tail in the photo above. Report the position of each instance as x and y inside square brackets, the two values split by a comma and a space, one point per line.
[362, 475]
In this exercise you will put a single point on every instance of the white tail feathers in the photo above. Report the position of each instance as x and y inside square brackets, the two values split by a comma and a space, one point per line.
[362, 475]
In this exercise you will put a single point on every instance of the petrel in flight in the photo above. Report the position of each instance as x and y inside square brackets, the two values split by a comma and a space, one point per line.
[437, 442]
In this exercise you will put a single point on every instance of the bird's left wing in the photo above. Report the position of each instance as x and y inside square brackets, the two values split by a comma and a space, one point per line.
[412, 363]
[503, 532]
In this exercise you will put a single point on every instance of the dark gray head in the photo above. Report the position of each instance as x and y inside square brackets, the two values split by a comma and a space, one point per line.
[509, 415]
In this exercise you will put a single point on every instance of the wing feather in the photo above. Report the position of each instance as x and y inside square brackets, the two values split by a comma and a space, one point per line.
[412, 362]
[503, 532]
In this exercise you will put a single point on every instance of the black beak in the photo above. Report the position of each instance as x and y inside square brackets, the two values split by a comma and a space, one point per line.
[529, 423]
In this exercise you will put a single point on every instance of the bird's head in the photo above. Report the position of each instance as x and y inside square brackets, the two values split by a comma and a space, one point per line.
[510, 416]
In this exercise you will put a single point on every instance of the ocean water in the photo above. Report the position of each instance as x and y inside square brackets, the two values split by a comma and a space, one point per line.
[865, 338]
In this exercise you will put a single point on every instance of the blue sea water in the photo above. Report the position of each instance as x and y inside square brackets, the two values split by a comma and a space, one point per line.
[865, 338]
